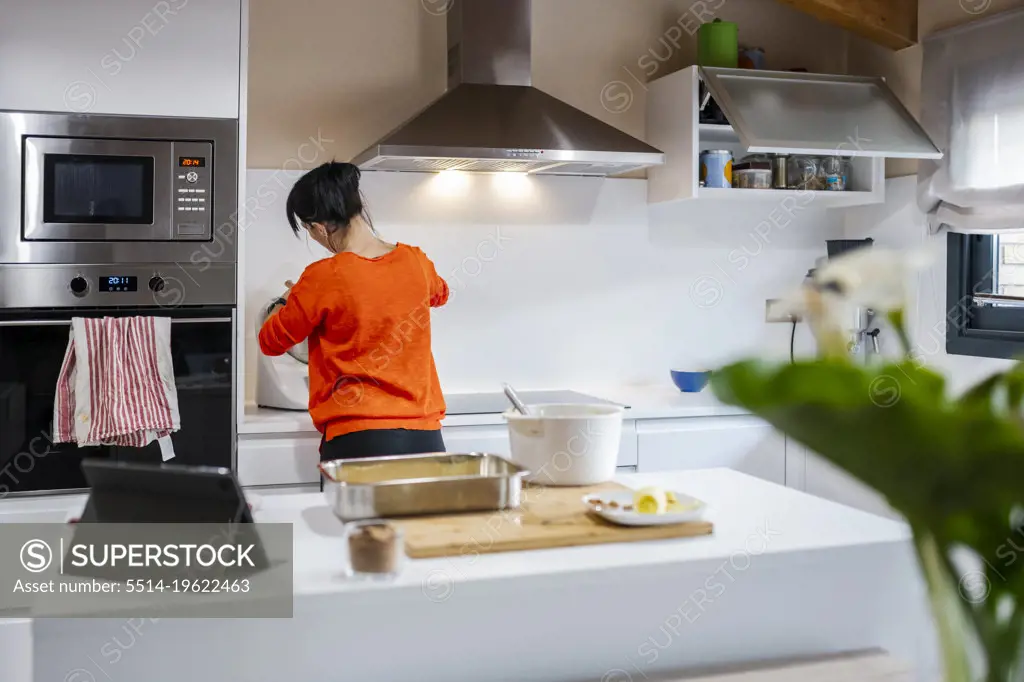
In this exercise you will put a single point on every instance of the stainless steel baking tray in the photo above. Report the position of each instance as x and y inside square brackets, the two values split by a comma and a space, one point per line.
[414, 485]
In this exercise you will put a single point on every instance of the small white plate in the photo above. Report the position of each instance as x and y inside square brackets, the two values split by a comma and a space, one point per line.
[693, 509]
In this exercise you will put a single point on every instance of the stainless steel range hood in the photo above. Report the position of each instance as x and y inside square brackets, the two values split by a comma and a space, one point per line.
[492, 119]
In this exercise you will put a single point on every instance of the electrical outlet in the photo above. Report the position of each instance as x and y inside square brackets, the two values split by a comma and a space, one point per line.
[773, 315]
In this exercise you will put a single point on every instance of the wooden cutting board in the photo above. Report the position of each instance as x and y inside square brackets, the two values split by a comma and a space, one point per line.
[549, 517]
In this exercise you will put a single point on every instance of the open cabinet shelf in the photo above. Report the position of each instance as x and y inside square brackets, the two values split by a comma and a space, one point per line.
[801, 198]
[776, 117]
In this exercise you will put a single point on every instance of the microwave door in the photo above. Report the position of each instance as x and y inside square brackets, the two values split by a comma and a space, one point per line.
[80, 190]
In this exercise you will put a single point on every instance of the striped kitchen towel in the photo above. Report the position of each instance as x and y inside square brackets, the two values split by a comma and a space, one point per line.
[116, 385]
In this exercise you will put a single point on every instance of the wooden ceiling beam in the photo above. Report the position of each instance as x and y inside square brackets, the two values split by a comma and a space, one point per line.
[892, 23]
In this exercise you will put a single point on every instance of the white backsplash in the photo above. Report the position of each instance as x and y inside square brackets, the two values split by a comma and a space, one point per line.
[564, 282]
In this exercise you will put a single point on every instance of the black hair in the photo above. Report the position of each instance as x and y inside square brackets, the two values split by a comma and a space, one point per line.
[328, 194]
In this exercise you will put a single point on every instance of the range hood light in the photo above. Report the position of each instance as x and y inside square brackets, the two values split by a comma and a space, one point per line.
[450, 183]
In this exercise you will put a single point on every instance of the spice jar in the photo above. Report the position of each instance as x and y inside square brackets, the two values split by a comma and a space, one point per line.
[803, 173]
[835, 170]
[375, 549]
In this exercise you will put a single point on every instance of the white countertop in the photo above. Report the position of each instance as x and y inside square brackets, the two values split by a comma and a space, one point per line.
[784, 574]
[645, 402]
[739, 505]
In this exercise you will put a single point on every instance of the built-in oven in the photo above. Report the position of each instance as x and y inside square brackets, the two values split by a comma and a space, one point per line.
[37, 303]
[113, 189]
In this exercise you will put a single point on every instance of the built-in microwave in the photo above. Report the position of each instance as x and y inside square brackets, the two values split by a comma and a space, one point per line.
[117, 190]
[85, 188]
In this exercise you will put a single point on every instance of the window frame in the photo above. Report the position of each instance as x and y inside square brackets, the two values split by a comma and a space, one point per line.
[972, 329]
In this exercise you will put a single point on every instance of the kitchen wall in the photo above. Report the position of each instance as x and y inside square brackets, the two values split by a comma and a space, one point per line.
[589, 286]
[566, 281]
[348, 71]
[558, 281]
[903, 69]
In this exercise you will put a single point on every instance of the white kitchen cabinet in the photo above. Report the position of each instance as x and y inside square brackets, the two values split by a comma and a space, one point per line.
[628, 455]
[291, 460]
[494, 439]
[779, 113]
[279, 460]
[742, 443]
[490, 439]
[811, 473]
[163, 58]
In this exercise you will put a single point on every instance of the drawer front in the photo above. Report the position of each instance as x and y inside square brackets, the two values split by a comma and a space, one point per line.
[494, 439]
[742, 443]
[489, 439]
[293, 461]
[628, 446]
[279, 461]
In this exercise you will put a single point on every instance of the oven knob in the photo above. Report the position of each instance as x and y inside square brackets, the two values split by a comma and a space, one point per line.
[192, 177]
[156, 284]
[79, 286]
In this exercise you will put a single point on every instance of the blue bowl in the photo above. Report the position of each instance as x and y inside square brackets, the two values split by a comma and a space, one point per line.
[690, 382]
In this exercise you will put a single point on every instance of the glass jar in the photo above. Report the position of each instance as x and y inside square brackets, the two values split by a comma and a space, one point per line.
[375, 549]
[834, 172]
[803, 173]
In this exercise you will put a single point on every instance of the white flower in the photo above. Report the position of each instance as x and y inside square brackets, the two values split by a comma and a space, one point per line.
[865, 278]
[823, 310]
[873, 278]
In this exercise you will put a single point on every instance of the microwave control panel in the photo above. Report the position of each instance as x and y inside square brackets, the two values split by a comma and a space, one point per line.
[193, 188]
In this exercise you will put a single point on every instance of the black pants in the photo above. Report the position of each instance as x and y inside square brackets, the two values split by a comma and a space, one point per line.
[380, 443]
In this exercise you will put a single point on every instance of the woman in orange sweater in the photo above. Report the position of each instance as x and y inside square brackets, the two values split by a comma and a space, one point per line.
[373, 387]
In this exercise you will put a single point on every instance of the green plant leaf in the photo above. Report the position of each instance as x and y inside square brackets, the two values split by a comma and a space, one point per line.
[953, 467]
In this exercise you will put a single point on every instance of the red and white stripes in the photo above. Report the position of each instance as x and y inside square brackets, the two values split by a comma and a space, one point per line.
[116, 385]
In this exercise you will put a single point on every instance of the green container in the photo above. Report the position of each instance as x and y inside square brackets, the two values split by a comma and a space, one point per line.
[718, 44]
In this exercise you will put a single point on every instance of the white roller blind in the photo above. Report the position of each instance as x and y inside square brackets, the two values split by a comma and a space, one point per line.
[972, 105]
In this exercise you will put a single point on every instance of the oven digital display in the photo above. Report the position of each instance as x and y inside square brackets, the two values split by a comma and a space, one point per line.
[191, 162]
[112, 283]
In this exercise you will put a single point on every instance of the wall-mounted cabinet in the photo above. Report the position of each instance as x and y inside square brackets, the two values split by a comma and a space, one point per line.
[166, 58]
[772, 112]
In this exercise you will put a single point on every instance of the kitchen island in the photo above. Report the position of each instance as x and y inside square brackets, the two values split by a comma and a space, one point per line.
[784, 575]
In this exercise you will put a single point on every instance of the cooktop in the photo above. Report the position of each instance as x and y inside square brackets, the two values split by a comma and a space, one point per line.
[492, 403]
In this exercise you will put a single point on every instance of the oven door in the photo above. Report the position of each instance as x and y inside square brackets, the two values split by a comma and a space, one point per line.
[80, 190]
[32, 346]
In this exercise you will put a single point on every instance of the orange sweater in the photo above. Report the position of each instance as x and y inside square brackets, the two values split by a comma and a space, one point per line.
[368, 325]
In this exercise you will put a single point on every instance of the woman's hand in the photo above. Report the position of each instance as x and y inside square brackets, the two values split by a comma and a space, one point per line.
[284, 297]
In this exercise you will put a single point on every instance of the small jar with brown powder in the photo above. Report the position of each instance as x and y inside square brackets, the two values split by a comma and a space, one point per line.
[376, 549]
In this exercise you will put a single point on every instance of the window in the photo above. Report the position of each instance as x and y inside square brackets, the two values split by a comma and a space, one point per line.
[985, 295]
[972, 101]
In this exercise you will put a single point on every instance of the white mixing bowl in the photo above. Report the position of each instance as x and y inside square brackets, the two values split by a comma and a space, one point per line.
[566, 444]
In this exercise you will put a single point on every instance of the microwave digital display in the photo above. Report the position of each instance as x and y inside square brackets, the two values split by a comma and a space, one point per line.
[191, 162]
